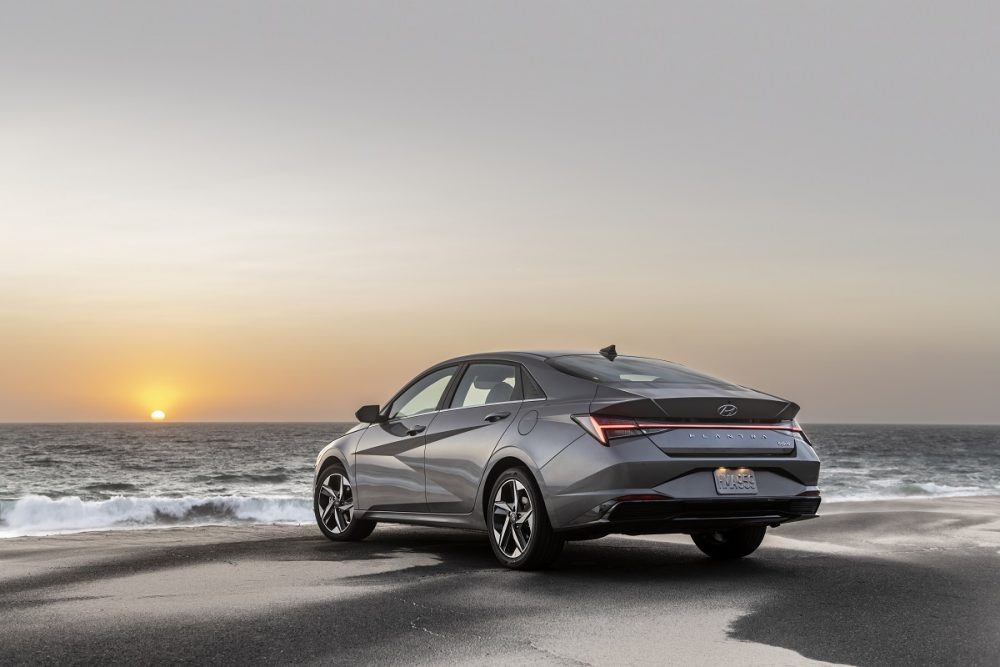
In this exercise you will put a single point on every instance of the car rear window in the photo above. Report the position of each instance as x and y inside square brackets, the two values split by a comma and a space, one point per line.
[632, 370]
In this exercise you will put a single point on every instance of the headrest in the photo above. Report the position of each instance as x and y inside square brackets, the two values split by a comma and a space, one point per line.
[487, 377]
[500, 392]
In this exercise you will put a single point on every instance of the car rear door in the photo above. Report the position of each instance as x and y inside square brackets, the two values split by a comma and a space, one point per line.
[462, 437]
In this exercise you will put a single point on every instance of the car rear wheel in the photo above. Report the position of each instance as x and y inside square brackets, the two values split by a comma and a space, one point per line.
[333, 504]
[733, 543]
[519, 530]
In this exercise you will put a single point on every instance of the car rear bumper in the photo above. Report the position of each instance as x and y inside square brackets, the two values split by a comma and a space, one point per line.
[584, 481]
[692, 515]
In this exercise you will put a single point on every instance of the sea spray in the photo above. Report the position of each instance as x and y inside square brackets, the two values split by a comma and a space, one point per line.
[33, 515]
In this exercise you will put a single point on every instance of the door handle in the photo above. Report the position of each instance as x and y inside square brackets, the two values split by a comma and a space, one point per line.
[416, 430]
[496, 416]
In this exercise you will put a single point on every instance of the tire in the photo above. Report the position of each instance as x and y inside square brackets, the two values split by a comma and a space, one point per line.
[730, 544]
[529, 543]
[338, 522]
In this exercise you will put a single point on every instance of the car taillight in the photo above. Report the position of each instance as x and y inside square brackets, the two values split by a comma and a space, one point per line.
[609, 428]
[605, 429]
[798, 429]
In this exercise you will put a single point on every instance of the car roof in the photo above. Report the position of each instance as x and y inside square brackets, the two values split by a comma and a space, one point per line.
[532, 355]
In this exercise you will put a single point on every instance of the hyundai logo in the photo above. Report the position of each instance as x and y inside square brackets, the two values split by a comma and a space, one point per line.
[727, 410]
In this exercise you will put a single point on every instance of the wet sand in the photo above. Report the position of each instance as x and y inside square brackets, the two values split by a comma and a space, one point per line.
[874, 583]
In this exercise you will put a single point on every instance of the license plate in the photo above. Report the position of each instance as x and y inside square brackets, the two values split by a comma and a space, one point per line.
[735, 482]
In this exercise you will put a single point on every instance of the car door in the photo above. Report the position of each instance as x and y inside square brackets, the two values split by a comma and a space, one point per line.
[389, 459]
[462, 437]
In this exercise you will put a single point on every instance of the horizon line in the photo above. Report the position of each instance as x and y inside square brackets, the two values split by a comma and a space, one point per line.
[355, 421]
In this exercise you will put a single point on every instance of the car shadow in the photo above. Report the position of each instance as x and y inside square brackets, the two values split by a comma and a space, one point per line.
[444, 595]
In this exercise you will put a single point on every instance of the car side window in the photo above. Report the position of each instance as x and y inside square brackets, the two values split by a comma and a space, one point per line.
[487, 383]
[422, 396]
[531, 388]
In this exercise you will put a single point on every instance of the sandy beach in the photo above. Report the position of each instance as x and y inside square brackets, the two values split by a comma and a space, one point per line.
[868, 583]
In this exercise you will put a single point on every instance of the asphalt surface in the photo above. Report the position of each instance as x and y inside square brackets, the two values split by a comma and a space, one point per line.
[844, 589]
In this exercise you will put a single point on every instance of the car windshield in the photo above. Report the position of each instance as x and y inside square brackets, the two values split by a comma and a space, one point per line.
[632, 370]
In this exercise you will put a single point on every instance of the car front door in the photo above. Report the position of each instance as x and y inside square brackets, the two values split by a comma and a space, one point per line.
[389, 460]
[462, 437]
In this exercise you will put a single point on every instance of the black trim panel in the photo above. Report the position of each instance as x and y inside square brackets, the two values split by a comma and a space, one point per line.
[670, 510]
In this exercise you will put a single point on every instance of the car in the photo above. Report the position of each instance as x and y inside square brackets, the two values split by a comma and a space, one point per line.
[535, 449]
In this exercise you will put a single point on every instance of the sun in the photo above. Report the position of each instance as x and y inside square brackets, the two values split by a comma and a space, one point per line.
[157, 415]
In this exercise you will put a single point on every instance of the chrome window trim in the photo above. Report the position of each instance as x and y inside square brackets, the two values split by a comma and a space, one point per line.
[483, 405]
[462, 407]
[399, 419]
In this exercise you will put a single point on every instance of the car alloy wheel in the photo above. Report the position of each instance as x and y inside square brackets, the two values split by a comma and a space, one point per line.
[513, 518]
[336, 503]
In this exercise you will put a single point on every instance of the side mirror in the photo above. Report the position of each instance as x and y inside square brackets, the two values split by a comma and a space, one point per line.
[370, 414]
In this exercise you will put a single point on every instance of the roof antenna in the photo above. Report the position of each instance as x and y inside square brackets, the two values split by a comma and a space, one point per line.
[609, 352]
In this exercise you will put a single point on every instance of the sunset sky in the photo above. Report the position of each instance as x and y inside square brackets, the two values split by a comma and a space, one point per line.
[274, 211]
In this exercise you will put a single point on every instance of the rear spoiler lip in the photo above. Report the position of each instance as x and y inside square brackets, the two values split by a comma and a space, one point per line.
[698, 406]
[784, 425]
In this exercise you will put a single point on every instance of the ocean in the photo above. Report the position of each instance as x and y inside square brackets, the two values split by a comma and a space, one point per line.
[72, 477]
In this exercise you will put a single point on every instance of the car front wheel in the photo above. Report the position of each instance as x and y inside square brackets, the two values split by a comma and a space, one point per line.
[333, 504]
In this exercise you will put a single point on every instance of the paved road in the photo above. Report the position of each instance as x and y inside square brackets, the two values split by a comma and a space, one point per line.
[421, 596]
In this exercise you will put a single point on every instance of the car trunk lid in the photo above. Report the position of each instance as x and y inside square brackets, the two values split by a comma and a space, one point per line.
[705, 421]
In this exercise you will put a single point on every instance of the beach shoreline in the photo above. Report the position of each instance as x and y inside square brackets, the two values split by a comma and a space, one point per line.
[869, 582]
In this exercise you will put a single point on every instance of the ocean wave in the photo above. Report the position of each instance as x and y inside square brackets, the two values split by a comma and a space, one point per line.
[110, 487]
[41, 515]
[275, 476]
[899, 490]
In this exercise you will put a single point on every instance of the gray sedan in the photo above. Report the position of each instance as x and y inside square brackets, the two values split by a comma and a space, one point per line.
[537, 448]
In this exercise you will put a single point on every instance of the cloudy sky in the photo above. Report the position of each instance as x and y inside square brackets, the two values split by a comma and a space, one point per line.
[256, 211]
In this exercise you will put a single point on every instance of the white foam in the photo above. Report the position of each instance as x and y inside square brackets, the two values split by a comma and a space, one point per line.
[41, 515]
[896, 490]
